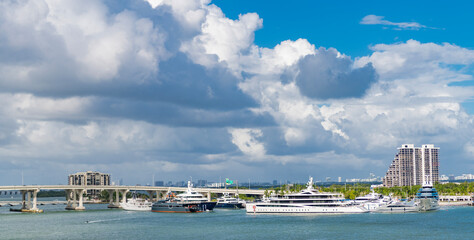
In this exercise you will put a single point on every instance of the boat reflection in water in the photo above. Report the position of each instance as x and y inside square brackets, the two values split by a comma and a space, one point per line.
[187, 202]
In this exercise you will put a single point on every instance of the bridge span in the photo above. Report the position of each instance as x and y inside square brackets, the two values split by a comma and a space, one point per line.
[75, 193]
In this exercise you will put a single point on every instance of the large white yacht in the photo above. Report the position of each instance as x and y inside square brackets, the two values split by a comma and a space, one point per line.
[136, 204]
[425, 200]
[427, 197]
[191, 196]
[187, 202]
[308, 200]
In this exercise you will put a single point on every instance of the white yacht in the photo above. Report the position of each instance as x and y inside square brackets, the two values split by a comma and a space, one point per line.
[425, 200]
[191, 196]
[368, 198]
[308, 200]
[136, 204]
[373, 201]
[226, 201]
[427, 197]
[399, 207]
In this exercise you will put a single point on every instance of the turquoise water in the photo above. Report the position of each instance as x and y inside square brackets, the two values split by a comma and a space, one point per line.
[98, 222]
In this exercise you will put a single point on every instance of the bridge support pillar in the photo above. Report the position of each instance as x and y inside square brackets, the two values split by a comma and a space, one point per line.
[150, 193]
[80, 193]
[75, 199]
[69, 199]
[117, 198]
[29, 201]
[209, 196]
[23, 199]
[158, 197]
[35, 200]
[124, 195]
[111, 196]
[28, 195]
[112, 203]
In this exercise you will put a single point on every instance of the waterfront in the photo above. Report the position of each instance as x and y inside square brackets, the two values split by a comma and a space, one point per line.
[98, 222]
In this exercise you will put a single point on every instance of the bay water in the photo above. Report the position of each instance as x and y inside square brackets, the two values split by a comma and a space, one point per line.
[99, 222]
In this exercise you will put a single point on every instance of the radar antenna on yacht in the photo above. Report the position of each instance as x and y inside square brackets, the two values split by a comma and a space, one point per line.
[427, 182]
[309, 185]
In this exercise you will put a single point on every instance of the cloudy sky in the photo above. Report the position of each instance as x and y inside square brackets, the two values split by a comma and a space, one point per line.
[231, 88]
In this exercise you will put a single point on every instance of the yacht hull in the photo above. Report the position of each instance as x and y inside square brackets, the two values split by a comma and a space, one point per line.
[172, 207]
[397, 209]
[229, 205]
[270, 208]
[428, 204]
[131, 207]
[177, 207]
[207, 206]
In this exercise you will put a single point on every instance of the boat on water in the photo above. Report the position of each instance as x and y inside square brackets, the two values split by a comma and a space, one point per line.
[26, 210]
[373, 200]
[175, 207]
[136, 204]
[228, 202]
[189, 201]
[427, 198]
[373, 196]
[308, 200]
[399, 207]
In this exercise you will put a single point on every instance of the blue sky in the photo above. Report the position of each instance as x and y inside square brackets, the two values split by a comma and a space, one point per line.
[336, 23]
[238, 89]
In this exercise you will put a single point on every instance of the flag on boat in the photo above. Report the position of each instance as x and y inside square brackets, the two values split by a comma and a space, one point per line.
[228, 181]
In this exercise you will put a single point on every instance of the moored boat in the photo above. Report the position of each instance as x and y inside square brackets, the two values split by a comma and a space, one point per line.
[373, 201]
[187, 202]
[175, 207]
[399, 207]
[136, 204]
[308, 200]
[191, 196]
[427, 198]
[228, 202]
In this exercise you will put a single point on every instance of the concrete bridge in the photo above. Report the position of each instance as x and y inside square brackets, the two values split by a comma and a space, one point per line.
[75, 193]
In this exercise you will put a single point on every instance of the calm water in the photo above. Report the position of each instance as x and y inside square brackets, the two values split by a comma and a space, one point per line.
[98, 222]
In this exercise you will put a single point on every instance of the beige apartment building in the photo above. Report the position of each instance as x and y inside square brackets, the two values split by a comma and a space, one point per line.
[413, 166]
[90, 178]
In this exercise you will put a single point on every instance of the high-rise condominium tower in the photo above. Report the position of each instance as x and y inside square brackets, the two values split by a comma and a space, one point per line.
[413, 166]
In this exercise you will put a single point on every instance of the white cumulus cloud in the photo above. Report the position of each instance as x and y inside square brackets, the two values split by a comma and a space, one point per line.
[173, 86]
[379, 20]
[246, 140]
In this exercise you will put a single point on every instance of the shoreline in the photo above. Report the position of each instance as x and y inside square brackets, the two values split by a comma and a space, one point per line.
[456, 203]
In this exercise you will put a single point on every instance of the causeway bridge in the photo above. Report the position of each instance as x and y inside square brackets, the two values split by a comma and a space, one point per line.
[75, 193]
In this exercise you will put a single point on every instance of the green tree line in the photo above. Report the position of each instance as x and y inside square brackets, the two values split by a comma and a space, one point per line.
[351, 191]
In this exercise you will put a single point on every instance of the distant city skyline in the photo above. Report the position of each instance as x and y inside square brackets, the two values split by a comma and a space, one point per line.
[231, 88]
